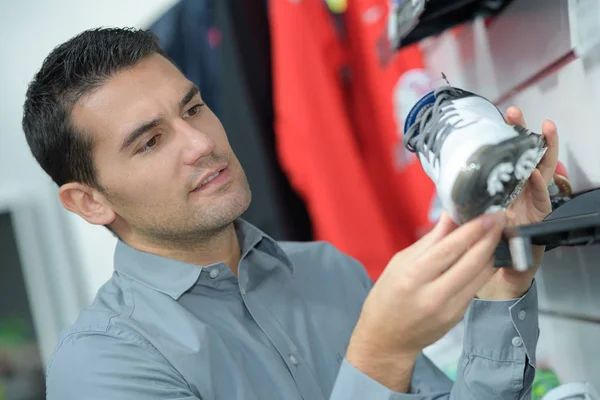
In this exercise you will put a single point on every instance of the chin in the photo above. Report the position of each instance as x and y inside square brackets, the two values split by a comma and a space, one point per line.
[242, 194]
[228, 208]
[240, 202]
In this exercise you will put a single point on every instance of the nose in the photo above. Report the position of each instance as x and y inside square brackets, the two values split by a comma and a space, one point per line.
[195, 143]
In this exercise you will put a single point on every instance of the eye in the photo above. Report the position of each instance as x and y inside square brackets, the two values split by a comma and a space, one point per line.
[195, 110]
[149, 145]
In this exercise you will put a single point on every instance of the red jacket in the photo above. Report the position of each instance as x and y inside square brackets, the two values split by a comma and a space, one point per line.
[385, 86]
[336, 134]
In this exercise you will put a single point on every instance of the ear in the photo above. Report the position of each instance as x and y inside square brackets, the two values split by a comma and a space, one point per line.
[86, 202]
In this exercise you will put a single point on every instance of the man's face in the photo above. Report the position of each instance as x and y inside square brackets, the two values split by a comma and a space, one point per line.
[155, 144]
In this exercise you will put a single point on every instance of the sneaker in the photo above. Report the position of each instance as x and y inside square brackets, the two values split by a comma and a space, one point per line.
[477, 161]
[573, 391]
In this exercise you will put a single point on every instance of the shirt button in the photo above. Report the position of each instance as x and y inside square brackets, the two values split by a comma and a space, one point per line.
[293, 359]
[243, 291]
[522, 315]
[214, 273]
[517, 341]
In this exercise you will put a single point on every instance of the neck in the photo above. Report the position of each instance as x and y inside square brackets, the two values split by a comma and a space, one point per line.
[223, 247]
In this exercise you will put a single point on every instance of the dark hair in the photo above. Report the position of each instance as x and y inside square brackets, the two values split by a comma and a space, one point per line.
[70, 71]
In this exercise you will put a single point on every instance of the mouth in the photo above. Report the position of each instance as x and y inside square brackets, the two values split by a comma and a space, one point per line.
[212, 179]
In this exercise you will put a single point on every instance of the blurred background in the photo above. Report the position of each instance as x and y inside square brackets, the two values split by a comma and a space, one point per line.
[313, 99]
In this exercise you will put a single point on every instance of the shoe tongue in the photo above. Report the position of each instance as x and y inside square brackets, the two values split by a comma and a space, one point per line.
[418, 109]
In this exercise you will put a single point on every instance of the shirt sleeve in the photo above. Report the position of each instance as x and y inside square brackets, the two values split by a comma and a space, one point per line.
[98, 366]
[499, 347]
[498, 359]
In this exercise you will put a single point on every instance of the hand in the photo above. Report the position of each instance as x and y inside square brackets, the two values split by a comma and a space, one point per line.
[422, 293]
[530, 206]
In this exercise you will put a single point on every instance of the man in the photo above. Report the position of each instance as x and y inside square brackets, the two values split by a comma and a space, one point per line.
[202, 305]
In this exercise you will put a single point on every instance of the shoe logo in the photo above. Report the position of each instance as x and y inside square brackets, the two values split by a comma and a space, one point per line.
[409, 89]
[412, 87]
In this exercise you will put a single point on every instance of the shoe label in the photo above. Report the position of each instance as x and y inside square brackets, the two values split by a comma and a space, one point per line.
[418, 109]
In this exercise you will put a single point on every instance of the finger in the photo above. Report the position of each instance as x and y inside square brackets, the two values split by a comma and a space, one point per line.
[464, 297]
[452, 248]
[514, 116]
[538, 188]
[548, 164]
[470, 264]
[511, 215]
[444, 226]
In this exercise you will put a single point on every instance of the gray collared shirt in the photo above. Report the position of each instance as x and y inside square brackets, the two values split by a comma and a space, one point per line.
[164, 329]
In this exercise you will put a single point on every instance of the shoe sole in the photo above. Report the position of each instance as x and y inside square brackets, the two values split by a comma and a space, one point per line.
[499, 174]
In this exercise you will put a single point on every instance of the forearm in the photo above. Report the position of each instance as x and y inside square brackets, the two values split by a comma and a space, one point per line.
[426, 383]
[391, 370]
[493, 364]
[370, 372]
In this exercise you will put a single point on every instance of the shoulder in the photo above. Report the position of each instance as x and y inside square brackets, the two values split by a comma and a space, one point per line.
[111, 364]
[77, 344]
[326, 260]
[113, 300]
[116, 361]
[104, 355]
[97, 336]
[100, 328]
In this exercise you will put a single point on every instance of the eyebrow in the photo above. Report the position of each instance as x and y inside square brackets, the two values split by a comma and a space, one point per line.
[139, 131]
[148, 126]
[192, 91]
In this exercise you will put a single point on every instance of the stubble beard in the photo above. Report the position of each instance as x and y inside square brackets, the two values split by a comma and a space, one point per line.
[203, 226]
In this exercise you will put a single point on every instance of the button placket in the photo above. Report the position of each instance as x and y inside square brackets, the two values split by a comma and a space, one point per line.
[293, 359]
[517, 341]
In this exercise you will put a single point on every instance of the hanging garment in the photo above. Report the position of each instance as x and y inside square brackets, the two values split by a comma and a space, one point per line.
[224, 47]
[188, 36]
[384, 88]
[247, 114]
[316, 136]
[340, 101]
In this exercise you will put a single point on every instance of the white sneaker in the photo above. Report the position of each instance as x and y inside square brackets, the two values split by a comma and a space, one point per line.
[478, 163]
[573, 391]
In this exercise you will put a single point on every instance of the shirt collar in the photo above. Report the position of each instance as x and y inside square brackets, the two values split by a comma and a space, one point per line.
[174, 277]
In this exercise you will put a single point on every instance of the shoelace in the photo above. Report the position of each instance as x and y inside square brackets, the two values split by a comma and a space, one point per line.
[432, 129]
